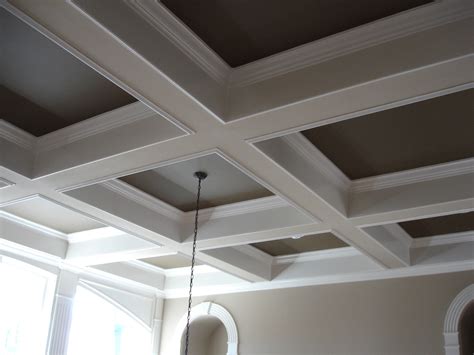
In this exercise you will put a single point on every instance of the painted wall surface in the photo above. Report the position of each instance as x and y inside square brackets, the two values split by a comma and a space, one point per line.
[386, 317]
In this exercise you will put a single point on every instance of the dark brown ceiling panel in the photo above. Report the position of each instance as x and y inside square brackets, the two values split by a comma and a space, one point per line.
[425, 133]
[43, 87]
[242, 31]
[302, 245]
[455, 223]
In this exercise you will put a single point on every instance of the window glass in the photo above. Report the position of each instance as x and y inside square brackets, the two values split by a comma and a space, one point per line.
[26, 295]
[101, 328]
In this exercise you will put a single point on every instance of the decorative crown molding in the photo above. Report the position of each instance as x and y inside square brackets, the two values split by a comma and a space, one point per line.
[101, 123]
[16, 135]
[132, 193]
[5, 183]
[182, 37]
[427, 173]
[445, 239]
[317, 159]
[49, 232]
[238, 208]
[142, 198]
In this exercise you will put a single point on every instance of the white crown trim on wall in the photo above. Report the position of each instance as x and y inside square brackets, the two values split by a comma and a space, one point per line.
[375, 33]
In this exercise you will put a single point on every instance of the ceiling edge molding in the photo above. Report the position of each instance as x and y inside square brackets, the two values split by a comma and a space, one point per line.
[142, 198]
[94, 234]
[49, 232]
[317, 159]
[98, 124]
[372, 34]
[238, 208]
[445, 239]
[134, 194]
[315, 255]
[158, 16]
[427, 173]
[16, 135]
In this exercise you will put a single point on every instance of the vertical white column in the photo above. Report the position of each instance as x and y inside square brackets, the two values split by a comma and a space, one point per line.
[157, 323]
[62, 313]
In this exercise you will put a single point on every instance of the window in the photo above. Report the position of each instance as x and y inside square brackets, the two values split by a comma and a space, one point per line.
[26, 296]
[101, 328]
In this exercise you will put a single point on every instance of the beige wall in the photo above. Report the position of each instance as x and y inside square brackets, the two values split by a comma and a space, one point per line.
[397, 316]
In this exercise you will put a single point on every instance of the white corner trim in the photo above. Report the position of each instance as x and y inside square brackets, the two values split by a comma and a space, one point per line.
[453, 315]
[214, 310]
[372, 34]
[101, 123]
[142, 198]
[318, 160]
[163, 20]
[32, 225]
[427, 173]
[16, 135]
[316, 255]
[445, 239]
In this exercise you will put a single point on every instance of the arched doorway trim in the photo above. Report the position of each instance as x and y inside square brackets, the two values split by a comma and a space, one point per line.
[451, 322]
[214, 310]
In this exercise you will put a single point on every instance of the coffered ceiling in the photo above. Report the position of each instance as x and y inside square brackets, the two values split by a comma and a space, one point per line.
[244, 31]
[43, 87]
[358, 140]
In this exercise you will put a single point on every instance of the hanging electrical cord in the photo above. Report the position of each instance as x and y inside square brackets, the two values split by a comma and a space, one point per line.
[200, 175]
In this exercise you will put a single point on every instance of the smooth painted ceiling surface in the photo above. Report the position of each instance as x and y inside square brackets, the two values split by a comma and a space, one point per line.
[455, 223]
[52, 215]
[43, 87]
[302, 245]
[242, 31]
[176, 185]
[425, 133]
[169, 261]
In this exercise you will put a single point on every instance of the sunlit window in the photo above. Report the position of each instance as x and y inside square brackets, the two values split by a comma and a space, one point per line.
[26, 295]
[101, 328]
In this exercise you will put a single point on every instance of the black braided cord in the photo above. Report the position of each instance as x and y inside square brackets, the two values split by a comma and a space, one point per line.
[190, 301]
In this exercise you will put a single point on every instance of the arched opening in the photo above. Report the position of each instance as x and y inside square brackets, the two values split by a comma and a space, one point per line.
[213, 330]
[207, 337]
[101, 327]
[458, 324]
[466, 330]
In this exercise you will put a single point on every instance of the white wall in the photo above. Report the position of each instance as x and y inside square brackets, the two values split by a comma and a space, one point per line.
[385, 317]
